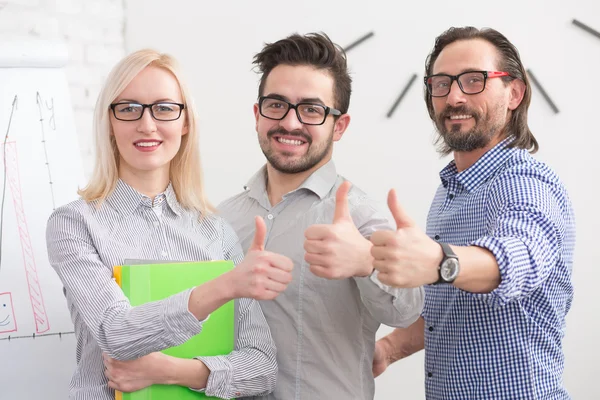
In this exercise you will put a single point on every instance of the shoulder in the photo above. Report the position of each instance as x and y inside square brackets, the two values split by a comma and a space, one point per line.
[525, 179]
[72, 219]
[232, 202]
[75, 210]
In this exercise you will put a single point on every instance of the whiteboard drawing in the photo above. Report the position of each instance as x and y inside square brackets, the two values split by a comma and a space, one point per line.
[8, 321]
[33, 283]
[52, 123]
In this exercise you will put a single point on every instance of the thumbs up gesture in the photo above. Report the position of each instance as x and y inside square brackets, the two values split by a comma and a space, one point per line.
[406, 257]
[262, 275]
[338, 250]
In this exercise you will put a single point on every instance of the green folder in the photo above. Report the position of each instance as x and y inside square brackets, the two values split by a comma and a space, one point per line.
[151, 281]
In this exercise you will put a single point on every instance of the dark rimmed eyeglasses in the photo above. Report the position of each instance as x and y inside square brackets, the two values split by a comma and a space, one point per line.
[470, 82]
[307, 113]
[161, 111]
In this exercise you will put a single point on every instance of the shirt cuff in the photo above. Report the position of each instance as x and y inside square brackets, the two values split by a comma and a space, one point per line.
[180, 322]
[220, 378]
[407, 303]
[507, 251]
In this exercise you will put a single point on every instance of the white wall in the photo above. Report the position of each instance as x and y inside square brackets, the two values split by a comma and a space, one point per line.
[215, 43]
[93, 31]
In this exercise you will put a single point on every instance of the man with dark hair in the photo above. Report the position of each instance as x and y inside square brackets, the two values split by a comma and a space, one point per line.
[498, 253]
[324, 323]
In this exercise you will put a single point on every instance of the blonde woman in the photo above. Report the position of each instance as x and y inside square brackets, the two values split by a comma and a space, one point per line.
[145, 200]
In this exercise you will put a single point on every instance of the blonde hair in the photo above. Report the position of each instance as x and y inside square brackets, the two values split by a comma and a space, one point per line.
[185, 169]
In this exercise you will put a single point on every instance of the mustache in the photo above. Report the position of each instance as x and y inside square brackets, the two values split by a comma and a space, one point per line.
[281, 131]
[449, 110]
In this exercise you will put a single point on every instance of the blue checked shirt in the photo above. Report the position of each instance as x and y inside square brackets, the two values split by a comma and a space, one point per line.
[506, 344]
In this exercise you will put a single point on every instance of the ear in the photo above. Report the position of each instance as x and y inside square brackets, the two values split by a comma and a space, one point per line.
[256, 115]
[340, 126]
[517, 92]
[186, 129]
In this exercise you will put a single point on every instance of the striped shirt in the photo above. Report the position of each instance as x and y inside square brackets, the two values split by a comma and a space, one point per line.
[506, 344]
[324, 329]
[85, 242]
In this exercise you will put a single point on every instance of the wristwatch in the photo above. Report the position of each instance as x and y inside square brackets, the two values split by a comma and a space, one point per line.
[449, 267]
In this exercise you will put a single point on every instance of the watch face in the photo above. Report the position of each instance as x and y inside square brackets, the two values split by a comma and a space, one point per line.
[449, 269]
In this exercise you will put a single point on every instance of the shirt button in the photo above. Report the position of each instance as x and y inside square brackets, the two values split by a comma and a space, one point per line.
[451, 196]
[155, 223]
[270, 216]
[164, 253]
[437, 237]
[431, 329]
[429, 374]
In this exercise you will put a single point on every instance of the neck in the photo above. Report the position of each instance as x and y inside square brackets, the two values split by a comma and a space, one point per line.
[464, 159]
[148, 183]
[280, 183]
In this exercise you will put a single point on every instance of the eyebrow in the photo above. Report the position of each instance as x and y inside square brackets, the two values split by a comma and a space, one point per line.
[164, 100]
[462, 71]
[315, 100]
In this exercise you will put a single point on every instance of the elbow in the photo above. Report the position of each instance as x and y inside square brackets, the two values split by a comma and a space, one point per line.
[116, 345]
[118, 351]
[409, 306]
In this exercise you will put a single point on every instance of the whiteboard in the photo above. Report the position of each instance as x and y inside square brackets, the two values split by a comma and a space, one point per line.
[41, 169]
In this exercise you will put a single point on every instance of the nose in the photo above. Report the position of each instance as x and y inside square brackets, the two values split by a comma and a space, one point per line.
[456, 96]
[146, 124]
[291, 121]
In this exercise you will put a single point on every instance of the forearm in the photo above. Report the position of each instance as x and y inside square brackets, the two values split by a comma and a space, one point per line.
[190, 373]
[403, 342]
[208, 297]
[479, 272]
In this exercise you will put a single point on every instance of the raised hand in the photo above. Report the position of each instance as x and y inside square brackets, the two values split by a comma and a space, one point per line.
[338, 250]
[405, 257]
[262, 275]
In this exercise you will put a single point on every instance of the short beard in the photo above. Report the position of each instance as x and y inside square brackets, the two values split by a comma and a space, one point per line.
[452, 140]
[313, 157]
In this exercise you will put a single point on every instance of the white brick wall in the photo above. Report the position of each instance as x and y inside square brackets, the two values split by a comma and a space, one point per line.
[94, 33]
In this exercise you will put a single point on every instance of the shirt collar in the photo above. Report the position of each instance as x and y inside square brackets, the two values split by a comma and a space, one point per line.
[483, 168]
[319, 182]
[126, 199]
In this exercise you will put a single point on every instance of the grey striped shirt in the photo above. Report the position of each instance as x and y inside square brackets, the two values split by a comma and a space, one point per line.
[84, 243]
[324, 329]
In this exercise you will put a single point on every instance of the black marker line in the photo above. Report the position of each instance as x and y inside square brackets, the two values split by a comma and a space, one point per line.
[358, 41]
[586, 28]
[14, 107]
[34, 336]
[402, 94]
[542, 91]
[39, 101]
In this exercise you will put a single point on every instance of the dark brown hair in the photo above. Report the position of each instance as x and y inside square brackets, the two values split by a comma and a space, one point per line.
[509, 61]
[313, 49]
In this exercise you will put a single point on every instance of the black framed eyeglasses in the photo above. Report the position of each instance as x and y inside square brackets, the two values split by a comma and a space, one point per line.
[470, 82]
[161, 111]
[307, 113]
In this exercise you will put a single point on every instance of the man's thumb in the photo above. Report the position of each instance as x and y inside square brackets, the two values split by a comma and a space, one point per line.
[400, 216]
[342, 211]
[260, 235]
